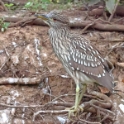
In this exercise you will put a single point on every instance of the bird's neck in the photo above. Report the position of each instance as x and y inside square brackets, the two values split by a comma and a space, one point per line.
[61, 31]
[58, 37]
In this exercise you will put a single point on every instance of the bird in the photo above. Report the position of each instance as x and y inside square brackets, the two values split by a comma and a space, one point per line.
[82, 61]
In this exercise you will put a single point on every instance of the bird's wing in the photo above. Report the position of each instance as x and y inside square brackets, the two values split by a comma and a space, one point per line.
[86, 58]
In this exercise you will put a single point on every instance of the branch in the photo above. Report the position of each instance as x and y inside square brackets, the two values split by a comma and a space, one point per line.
[97, 25]
[26, 80]
[110, 18]
[21, 106]
[88, 122]
[2, 3]
[49, 112]
[73, 22]
[121, 64]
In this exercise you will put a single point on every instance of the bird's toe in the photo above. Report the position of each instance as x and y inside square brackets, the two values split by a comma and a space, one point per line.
[73, 112]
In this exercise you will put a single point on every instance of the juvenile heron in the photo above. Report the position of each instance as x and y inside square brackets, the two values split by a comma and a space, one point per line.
[80, 59]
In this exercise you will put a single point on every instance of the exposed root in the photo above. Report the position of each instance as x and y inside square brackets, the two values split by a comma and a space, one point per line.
[88, 122]
[101, 107]
[98, 105]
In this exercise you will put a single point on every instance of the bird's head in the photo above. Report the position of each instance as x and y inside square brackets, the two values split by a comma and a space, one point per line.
[45, 18]
[52, 18]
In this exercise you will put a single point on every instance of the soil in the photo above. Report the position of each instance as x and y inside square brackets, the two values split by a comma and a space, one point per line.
[27, 52]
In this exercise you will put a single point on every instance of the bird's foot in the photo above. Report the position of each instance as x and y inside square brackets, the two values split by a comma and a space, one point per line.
[73, 112]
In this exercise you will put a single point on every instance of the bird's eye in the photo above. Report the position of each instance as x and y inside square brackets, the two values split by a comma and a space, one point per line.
[54, 19]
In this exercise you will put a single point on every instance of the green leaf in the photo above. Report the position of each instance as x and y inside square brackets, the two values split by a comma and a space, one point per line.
[5, 25]
[92, 2]
[46, 1]
[44, 6]
[110, 4]
[28, 4]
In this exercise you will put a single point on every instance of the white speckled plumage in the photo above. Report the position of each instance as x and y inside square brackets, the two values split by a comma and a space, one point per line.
[81, 60]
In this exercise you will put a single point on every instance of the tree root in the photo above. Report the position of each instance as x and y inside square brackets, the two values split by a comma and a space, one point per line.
[73, 22]
[99, 107]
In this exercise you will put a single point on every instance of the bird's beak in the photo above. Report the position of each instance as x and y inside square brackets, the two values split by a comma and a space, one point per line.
[42, 16]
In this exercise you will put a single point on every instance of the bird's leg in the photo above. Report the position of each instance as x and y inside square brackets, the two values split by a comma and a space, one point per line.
[77, 97]
[74, 110]
[79, 94]
[82, 91]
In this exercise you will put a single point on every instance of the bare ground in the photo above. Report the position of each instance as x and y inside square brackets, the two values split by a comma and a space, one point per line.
[25, 52]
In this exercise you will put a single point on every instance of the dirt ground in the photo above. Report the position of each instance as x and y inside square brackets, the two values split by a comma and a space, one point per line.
[25, 52]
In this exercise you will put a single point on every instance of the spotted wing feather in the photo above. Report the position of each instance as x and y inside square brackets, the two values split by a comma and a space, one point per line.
[85, 58]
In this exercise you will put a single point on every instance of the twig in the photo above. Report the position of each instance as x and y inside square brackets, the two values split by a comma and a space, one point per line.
[54, 97]
[98, 25]
[64, 95]
[23, 21]
[88, 115]
[87, 26]
[121, 64]
[118, 45]
[110, 18]
[104, 114]
[4, 64]
[119, 20]
[93, 23]
[66, 104]
[105, 110]
[105, 117]
[98, 115]
[48, 86]
[6, 52]
[88, 122]
[1, 2]
[49, 112]
[101, 96]
[26, 80]
[112, 40]
[103, 21]
[21, 106]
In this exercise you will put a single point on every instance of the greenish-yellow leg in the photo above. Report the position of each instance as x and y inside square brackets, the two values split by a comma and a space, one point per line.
[77, 97]
[80, 90]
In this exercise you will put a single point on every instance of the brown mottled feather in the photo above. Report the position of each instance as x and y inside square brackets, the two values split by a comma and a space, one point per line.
[78, 56]
[100, 71]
